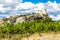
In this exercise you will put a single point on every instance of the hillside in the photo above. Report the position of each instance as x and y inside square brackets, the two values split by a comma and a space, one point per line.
[24, 26]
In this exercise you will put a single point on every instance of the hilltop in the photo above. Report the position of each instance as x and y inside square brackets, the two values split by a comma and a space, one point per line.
[39, 14]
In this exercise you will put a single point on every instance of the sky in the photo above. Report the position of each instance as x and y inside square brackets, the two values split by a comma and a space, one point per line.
[43, 1]
[18, 7]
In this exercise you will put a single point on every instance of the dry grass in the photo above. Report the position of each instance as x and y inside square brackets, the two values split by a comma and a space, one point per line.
[44, 36]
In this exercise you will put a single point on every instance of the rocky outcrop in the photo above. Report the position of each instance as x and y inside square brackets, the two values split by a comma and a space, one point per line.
[21, 18]
[1, 22]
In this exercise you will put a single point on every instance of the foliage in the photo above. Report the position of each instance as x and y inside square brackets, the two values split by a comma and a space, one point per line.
[32, 26]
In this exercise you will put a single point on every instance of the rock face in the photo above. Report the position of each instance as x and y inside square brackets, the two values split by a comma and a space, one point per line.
[1, 21]
[21, 18]
[35, 16]
[41, 12]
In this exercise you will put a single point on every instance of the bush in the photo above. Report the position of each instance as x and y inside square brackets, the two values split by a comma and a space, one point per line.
[31, 26]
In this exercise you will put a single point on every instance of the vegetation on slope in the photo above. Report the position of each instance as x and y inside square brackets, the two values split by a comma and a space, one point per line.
[30, 27]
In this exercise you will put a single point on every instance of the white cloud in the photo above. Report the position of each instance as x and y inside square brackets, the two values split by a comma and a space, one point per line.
[15, 7]
[40, 6]
[55, 17]
[8, 5]
[26, 5]
[10, 1]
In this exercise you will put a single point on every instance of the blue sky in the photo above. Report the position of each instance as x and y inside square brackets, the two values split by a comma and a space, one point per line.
[37, 1]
